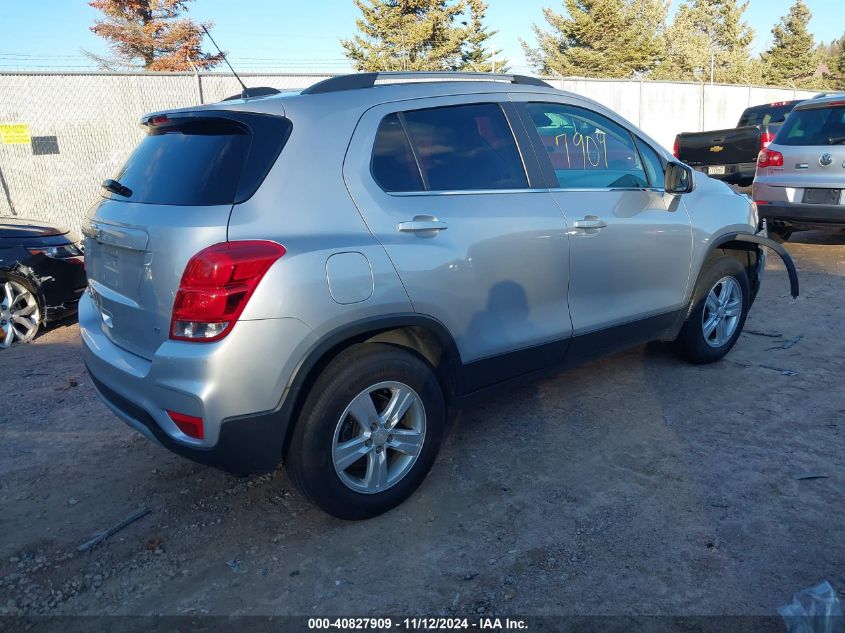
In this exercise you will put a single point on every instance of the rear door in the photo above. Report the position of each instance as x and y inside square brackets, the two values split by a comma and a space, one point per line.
[180, 185]
[630, 241]
[477, 241]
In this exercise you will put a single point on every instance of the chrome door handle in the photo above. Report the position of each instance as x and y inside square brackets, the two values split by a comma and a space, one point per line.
[422, 223]
[590, 222]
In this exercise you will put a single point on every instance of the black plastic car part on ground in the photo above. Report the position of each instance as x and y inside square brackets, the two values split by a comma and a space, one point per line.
[42, 276]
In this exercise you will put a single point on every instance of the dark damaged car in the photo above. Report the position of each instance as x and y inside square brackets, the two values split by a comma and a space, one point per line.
[42, 276]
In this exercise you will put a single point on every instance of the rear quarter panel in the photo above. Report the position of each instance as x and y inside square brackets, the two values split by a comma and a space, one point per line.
[303, 204]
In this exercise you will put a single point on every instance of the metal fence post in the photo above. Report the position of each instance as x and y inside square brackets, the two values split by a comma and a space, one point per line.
[199, 87]
[640, 113]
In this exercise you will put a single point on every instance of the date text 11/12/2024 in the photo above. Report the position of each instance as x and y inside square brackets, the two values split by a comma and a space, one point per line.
[417, 624]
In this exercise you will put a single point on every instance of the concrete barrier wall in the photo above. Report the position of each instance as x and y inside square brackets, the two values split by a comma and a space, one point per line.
[94, 119]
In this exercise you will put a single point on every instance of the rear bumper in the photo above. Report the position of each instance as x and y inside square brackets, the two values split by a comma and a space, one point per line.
[249, 445]
[802, 214]
[238, 386]
[734, 174]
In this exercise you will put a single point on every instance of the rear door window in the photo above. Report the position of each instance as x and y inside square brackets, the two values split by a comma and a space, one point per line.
[587, 150]
[202, 160]
[454, 148]
[816, 126]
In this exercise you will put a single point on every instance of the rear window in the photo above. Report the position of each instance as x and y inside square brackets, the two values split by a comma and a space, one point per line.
[764, 115]
[203, 160]
[817, 126]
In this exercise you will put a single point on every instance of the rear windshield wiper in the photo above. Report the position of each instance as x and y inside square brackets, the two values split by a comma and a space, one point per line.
[836, 140]
[115, 187]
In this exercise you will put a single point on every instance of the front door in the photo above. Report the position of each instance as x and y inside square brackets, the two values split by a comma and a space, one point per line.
[630, 241]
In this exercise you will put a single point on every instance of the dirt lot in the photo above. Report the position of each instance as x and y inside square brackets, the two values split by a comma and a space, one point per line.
[634, 485]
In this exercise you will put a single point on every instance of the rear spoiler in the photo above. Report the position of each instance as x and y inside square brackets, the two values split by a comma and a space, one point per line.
[248, 93]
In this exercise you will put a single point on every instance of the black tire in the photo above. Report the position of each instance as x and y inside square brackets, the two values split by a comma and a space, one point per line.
[691, 344]
[309, 461]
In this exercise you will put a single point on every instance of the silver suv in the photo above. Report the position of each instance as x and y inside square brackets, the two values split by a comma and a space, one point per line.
[800, 181]
[320, 277]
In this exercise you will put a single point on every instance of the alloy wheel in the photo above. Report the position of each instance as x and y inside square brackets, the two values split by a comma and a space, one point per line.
[379, 437]
[19, 314]
[722, 311]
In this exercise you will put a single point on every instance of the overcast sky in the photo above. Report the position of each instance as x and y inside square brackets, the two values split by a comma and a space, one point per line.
[302, 35]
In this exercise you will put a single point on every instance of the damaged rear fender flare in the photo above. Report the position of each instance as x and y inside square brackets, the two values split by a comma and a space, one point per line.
[769, 243]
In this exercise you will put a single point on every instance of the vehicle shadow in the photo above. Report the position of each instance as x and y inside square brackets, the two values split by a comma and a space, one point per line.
[830, 237]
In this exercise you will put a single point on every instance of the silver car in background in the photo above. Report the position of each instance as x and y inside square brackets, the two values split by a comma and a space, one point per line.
[318, 278]
[800, 181]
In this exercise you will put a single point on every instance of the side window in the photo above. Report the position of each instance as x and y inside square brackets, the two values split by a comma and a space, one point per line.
[467, 147]
[393, 164]
[653, 165]
[586, 149]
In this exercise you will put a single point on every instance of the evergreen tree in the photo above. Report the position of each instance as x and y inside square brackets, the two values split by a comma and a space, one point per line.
[836, 62]
[710, 34]
[793, 58]
[476, 55]
[600, 38]
[151, 34]
[418, 35]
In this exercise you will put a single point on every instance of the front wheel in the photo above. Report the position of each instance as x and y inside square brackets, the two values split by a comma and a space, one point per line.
[720, 305]
[369, 431]
[20, 312]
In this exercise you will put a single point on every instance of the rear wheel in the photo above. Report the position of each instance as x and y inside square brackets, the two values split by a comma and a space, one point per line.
[20, 311]
[369, 431]
[720, 305]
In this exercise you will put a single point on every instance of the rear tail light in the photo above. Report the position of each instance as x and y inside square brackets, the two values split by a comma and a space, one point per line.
[769, 158]
[766, 139]
[675, 149]
[158, 119]
[189, 425]
[216, 286]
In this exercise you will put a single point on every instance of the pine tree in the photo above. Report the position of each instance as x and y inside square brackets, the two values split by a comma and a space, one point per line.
[152, 35]
[836, 62]
[476, 54]
[407, 35]
[710, 34]
[793, 58]
[600, 38]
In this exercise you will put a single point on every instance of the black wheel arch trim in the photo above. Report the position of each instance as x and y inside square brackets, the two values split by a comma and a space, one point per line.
[358, 331]
[768, 243]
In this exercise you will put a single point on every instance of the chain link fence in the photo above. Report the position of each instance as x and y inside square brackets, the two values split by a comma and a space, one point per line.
[61, 135]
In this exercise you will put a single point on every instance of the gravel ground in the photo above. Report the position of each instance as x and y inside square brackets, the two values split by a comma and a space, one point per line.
[634, 485]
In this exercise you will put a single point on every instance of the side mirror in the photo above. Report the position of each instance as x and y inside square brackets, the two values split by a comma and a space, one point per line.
[679, 179]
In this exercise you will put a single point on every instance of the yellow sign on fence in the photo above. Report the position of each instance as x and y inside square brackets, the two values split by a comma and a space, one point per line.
[15, 134]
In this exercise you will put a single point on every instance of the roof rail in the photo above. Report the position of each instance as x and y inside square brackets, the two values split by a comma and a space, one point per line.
[368, 80]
